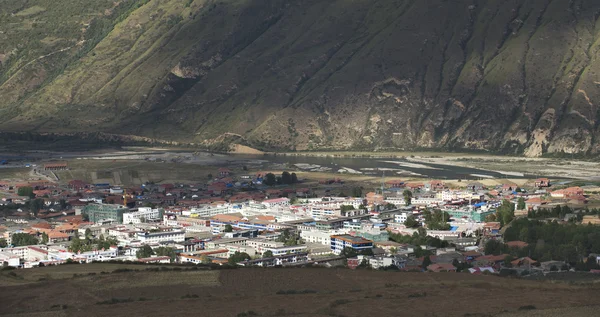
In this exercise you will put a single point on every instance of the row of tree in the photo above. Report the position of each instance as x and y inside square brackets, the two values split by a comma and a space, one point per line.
[560, 212]
[549, 240]
[89, 243]
[146, 251]
[505, 213]
[285, 179]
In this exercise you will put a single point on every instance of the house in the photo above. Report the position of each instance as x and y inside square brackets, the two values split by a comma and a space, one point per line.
[394, 184]
[434, 186]
[471, 255]
[441, 267]
[155, 259]
[542, 182]
[490, 260]
[482, 269]
[509, 187]
[374, 198]
[525, 261]
[568, 192]
[55, 166]
[476, 186]
[548, 266]
[224, 172]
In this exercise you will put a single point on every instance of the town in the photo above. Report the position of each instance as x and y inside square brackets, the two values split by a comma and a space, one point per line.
[242, 218]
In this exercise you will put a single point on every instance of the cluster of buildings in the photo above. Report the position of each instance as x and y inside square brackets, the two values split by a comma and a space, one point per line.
[210, 222]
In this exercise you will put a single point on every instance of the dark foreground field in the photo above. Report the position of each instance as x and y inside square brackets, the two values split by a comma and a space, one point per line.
[97, 290]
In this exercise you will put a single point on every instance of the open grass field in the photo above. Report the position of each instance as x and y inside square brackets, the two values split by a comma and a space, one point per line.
[134, 172]
[284, 292]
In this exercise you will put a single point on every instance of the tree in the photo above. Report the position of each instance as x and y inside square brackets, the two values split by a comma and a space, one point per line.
[85, 217]
[407, 194]
[228, 228]
[145, 252]
[490, 218]
[348, 252]
[35, 205]
[286, 178]
[426, 262]
[288, 238]
[23, 239]
[294, 178]
[3, 243]
[494, 247]
[364, 264]
[506, 212]
[389, 206]
[411, 222]
[521, 203]
[267, 254]
[88, 233]
[25, 191]
[238, 257]
[75, 244]
[209, 176]
[63, 204]
[344, 208]
[204, 259]
[357, 192]
[45, 238]
[507, 260]
[270, 179]
[166, 251]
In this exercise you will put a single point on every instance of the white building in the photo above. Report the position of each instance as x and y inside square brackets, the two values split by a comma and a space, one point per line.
[277, 251]
[270, 203]
[162, 236]
[401, 217]
[144, 214]
[314, 236]
[210, 210]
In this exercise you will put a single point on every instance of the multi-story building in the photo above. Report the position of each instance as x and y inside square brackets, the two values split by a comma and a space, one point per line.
[144, 214]
[401, 217]
[316, 236]
[210, 210]
[161, 236]
[476, 215]
[277, 202]
[261, 245]
[277, 251]
[105, 212]
[283, 260]
[340, 242]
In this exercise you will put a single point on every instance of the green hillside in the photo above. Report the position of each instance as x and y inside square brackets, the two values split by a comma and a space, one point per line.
[511, 76]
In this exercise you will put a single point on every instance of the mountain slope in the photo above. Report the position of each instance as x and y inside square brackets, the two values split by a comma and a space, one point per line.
[504, 75]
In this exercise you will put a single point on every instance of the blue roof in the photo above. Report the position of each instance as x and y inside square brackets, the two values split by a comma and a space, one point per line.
[479, 204]
[453, 228]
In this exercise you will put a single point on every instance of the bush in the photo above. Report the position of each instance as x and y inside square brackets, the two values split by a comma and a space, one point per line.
[415, 295]
[339, 302]
[527, 307]
[293, 292]
[115, 301]
[189, 296]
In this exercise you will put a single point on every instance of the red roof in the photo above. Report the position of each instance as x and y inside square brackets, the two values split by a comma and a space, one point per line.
[517, 244]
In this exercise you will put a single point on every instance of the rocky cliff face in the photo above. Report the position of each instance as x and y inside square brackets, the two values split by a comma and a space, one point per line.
[515, 76]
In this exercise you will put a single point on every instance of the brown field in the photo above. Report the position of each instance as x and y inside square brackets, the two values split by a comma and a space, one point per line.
[314, 292]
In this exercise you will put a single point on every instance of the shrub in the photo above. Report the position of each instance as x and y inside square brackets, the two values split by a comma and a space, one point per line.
[115, 301]
[292, 292]
[415, 295]
[339, 302]
[527, 307]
